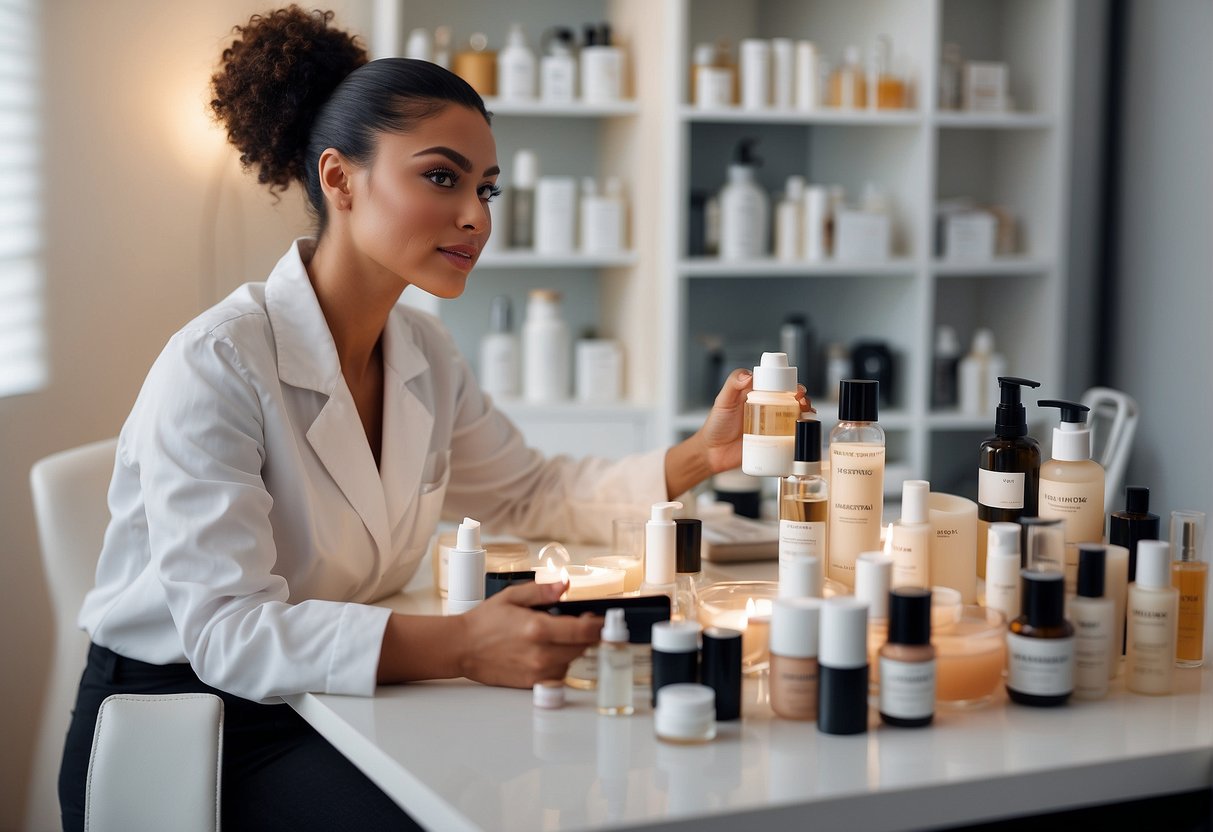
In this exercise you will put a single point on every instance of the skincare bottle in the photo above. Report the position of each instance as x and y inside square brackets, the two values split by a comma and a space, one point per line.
[788, 220]
[887, 91]
[744, 208]
[1003, 563]
[1152, 614]
[945, 365]
[499, 352]
[783, 73]
[911, 537]
[808, 77]
[545, 349]
[873, 580]
[794, 628]
[842, 704]
[951, 77]
[1116, 587]
[516, 67]
[688, 565]
[1135, 523]
[848, 88]
[601, 67]
[602, 217]
[477, 65]
[615, 667]
[661, 555]
[419, 46]
[907, 661]
[1040, 643]
[1189, 575]
[720, 669]
[675, 654]
[1008, 466]
[1072, 484]
[976, 373]
[558, 69]
[555, 215]
[755, 61]
[713, 77]
[804, 499]
[465, 569]
[816, 215]
[1092, 614]
[521, 227]
[857, 456]
[768, 441]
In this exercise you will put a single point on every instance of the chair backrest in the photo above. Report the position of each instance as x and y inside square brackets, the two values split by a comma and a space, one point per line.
[155, 764]
[1113, 422]
[69, 490]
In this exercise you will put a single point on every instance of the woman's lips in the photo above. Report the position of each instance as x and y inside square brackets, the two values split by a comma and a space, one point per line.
[461, 257]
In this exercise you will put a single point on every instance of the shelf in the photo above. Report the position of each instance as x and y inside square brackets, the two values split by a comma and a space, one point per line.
[857, 118]
[575, 110]
[531, 260]
[997, 267]
[769, 267]
[994, 121]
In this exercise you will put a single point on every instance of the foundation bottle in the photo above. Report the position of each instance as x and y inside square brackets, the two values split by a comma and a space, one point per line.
[1040, 643]
[907, 661]
[857, 457]
[804, 499]
[842, 700]
[1002, 570]
[848, 87]
[614, 667]
[1135, 523]
[911, 537]
[1189, 575]
[675, 654]
[1008, 466]
[1093, 616]
[1072, 484]
[768, 441]
[1152, 618]
[794, 631]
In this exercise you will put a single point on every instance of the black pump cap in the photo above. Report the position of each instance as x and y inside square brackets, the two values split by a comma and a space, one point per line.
[808, 440]
[1010, 418]
[1044, 597]
[744, 153]
[688, 537]
[857, 398]
[1070, 411]
[1137, 499]
[1092, 566]
[909, 615]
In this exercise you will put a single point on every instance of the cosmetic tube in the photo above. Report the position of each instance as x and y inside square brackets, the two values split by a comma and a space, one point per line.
[794, 672]
[907, 661]
[465, 569]
[1040, 643]
[842, 706]
[675, 654]
[1002, 569]
[720, 669]
[911, 537]
[1189, 575]
[1152, 613]
[1093, 615]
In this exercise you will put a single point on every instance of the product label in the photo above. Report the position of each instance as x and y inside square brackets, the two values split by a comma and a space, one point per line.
[1151, 646]
[1092, 632]
[1000, 489]
[1040, 666]
[856, 502]
[799, 538]
[1079, 504]
[907, 689]
[713, 87]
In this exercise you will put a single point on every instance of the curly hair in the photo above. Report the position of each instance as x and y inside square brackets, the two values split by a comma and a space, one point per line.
[291, 86]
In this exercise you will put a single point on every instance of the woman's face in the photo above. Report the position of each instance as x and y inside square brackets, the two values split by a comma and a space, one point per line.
[420, 209]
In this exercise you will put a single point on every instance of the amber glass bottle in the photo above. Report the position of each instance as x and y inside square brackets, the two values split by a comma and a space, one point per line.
[1008, 475]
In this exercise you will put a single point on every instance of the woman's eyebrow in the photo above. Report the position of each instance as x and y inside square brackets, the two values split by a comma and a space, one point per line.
[464, 163]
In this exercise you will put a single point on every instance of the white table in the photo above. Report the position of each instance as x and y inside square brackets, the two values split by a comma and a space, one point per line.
[461, 756]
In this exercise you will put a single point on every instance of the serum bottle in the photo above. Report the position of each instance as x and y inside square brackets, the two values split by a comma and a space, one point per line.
[857, 456]
[1072, 484]
[911, 540]
[465, 569]
[688, 565]
[1002, 570]
[1152, 619]
[1008, 466]
[614, 667]
[804, 499]
[1040, 643]
[1093, 616]
[768, 440]
[1135, 523]
[907, 661]
[1189, 575]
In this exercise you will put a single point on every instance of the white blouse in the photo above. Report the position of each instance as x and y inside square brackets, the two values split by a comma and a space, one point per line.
[251, 528]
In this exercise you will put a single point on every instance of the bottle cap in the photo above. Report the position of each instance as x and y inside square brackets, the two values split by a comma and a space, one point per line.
[1153, 564]
[1137, 500]
[844, 633]
[794, 627]
[910, 615]
[914, 495]
[774, 374]
[526, 168]
[808, 440]
[720, 669]
[800, 576]
[663, 512]
[794, 188]
[1044, 597]
[688, 536]
[873, 577]
[1010, 418]
[1003, 539]
[676, 636]
[744, 156]
[548, 694]
[616, 627]
[1072, 440]
[1187, 535]
[467, 539]
[1092, 567]
[947, 345]
[857, 399]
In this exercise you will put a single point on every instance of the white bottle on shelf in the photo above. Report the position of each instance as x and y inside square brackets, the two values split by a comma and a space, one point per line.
[516, 68]
[499, 352]
[744, 209]
[602, 217]
[545, 349]
[978, 374]
[558, 71]
[555, 215]
[788, 221]
[808, 76]
[601, 68]
[755, 74]
[816, 215]
[783, 73]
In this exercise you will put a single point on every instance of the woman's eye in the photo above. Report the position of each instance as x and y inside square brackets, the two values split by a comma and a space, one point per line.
[442, 178]
[489, 192]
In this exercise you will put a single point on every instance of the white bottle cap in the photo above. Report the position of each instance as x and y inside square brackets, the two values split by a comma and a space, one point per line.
[516, 37]
[1003, 539]
[616, 628]
[685, 712]
[1153, 564]
[526, 169]
[663, 512]
[800, 576]
[794, 188]
[465, 568]
[675, 636]
[773, 373]
[947, 345]
[549, 694]
[794, 627]
[467, 539]
[844, 633]
[983, 342]
[873, 577]
[1071, 442]
[914, 495]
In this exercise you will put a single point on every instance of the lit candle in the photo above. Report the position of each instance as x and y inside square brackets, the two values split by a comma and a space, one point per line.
[633, 569]
[585, 582]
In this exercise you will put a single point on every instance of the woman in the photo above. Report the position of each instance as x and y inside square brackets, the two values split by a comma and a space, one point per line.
[293, 447]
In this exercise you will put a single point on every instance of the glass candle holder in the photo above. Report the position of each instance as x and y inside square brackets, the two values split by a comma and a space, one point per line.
[585, 582]
[632, 567]
[744, 606]
[946, 612]
[503, 556]
[954, 544]
[970, 656]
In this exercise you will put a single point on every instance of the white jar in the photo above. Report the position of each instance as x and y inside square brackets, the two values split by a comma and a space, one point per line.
[545, 349]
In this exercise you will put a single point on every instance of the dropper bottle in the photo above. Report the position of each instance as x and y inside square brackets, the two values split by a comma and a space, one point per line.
[1008, 467]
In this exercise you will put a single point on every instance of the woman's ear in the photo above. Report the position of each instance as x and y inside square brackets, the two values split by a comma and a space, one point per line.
[335, 175]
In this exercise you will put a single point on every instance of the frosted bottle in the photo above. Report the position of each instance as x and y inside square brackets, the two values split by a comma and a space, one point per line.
[545, 349]
[516, 68]
[1153, 617]
[768, 441]
[857, 458]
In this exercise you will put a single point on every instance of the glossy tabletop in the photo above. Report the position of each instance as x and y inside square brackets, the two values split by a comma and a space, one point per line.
[461, 756]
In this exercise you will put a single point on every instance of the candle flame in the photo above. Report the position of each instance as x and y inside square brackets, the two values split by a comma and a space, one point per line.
[749, 613]
[888, 540]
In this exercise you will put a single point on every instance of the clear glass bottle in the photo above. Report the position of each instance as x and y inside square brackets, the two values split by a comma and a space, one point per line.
[771, 411]
[804, 499]
[857, 458]
[1189, 575]
[615, 667]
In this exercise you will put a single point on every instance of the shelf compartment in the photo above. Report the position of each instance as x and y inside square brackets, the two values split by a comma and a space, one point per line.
[539, 109]
[531, 260]
[999, 266]
[826, 116]
[769, 267]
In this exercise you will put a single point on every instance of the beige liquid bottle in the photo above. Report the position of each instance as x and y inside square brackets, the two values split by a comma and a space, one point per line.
[1153, 614]
[1072, 485]
[857, 456]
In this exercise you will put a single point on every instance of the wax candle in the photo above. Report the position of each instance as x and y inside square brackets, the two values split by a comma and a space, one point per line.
[585, 582]
[633, 569]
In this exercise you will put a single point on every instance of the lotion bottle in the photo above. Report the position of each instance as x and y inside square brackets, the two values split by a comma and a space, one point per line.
[615, 667]
[1152, 614]
[1008, 466]
[804, 499]
[789, 222]
[911, 537]
[499, 352]
[558, 70]
[1002, 570]
[465, 569]
[1092, 613]
[516, 67]
[546, 368]
[768, 440]
[857, 457]
[744, 208]
[661, 555]
[1072, 484]
[1040, 643]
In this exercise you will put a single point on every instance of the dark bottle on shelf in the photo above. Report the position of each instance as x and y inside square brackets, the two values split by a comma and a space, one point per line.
[1040, 643]
[1008, 476]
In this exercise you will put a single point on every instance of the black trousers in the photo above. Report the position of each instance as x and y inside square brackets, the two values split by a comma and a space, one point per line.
[278, 772]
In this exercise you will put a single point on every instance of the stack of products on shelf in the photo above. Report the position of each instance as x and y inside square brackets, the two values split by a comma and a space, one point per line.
[974, 86]
[966, 231]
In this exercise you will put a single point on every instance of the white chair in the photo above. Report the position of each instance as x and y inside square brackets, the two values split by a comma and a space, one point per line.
[69, 493]
[1113, 421]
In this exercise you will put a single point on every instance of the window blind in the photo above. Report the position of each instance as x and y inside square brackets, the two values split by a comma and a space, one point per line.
[23, 364]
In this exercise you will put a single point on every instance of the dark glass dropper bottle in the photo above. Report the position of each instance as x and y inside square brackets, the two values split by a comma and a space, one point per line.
[1009, 451]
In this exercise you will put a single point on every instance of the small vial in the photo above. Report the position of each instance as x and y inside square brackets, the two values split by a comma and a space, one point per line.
[615, 667]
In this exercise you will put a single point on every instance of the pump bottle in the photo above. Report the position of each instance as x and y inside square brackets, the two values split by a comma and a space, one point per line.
[744, 208]
[771, 409]
[1008, 467]
[615, 667]
[661, 555]
[465, 569]
[516, 67]
[857, 456]
[1072, 484]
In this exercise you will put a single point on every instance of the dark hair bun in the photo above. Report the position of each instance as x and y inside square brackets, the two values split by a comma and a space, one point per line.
[273, 80]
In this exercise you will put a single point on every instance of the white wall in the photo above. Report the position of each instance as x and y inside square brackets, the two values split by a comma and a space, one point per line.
[1162, 347]
[142, 198]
